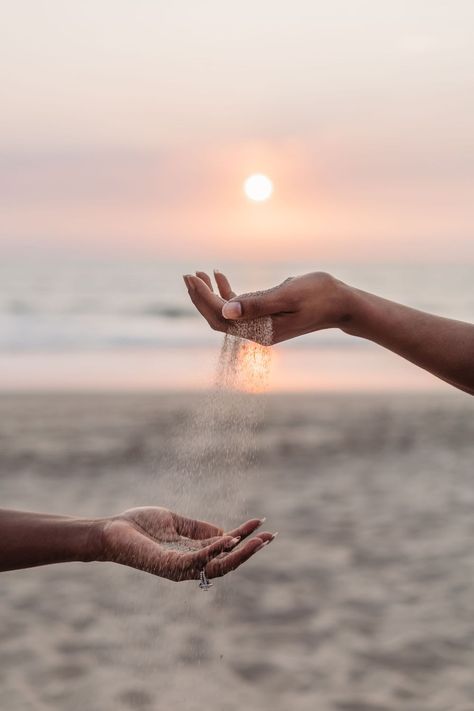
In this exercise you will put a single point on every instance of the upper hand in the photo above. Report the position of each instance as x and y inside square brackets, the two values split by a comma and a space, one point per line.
[299, 305]
[164, 543]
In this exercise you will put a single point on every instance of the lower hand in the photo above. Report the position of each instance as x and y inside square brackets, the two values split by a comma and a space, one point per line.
[171, 546]
[299, 305]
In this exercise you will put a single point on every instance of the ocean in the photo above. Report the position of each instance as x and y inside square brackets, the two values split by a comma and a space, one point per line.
[117, 323]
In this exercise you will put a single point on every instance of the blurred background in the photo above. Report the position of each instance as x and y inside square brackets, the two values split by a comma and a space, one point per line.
[128, 130]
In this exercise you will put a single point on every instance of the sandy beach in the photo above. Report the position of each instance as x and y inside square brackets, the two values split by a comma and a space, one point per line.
[364, 602]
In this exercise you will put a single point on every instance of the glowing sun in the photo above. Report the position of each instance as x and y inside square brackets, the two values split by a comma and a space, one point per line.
[258, 187]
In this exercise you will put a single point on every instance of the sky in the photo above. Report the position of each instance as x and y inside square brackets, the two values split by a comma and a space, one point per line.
[131, 125]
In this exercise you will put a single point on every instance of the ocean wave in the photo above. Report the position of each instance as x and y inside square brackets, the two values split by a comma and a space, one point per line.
[19, 307]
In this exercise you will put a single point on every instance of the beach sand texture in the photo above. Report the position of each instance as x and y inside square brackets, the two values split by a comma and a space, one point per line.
[365, 602]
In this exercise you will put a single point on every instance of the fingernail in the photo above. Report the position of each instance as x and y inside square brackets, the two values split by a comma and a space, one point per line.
[232, 309]
[262, 520]
[234, 541]
[217, 271]
[275, 535]
[265, 543]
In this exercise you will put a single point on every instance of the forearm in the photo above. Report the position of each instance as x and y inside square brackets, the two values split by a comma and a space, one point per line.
[442, 346]
[30, 539]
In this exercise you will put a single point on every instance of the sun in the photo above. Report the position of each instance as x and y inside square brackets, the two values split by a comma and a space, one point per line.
[258, 187]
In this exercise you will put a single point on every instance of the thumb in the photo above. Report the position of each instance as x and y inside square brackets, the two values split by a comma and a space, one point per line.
[250, 306]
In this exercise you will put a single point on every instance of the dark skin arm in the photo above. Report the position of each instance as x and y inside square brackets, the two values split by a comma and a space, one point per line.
[151, 539]
[316, 301]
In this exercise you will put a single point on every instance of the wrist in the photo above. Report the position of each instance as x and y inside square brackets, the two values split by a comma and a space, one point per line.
[344, 306]
[353, 309]
[87, 535]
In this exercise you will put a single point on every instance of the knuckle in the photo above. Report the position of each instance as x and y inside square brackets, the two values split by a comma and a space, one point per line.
[323, 278]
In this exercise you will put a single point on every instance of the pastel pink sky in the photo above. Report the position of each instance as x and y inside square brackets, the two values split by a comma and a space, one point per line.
[132, 126]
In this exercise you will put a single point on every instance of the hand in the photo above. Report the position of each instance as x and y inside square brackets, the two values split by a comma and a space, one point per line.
[163, 543]
[299, 305]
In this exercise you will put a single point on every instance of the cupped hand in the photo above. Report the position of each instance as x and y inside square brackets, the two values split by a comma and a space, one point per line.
[171, 546]
[299, 305]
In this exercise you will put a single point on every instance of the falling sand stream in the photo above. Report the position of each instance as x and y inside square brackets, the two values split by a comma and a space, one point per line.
[207, 479]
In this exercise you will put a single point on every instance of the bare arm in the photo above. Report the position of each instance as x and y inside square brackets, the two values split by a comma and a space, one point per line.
[152, 539]
[30, 539]
[442, 346]
[317, 301]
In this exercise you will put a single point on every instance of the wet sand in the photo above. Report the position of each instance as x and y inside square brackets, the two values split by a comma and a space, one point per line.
[364, 603]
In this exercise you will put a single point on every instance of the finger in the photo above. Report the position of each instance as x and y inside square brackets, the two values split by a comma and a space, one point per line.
[223, 285]
[191, 528]
[206, 302]
[186, 281]
[257, 305]
[212, 316]
[220, 566]
[246, 528]
[266, 536]
[204, 542]
[206, 279]
[198, 560]
[263, 535]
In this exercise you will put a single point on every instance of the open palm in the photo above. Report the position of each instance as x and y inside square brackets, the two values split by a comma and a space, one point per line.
[171, 546]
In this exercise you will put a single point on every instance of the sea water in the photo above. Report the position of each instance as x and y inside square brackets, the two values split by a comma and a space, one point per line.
[127, 324]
